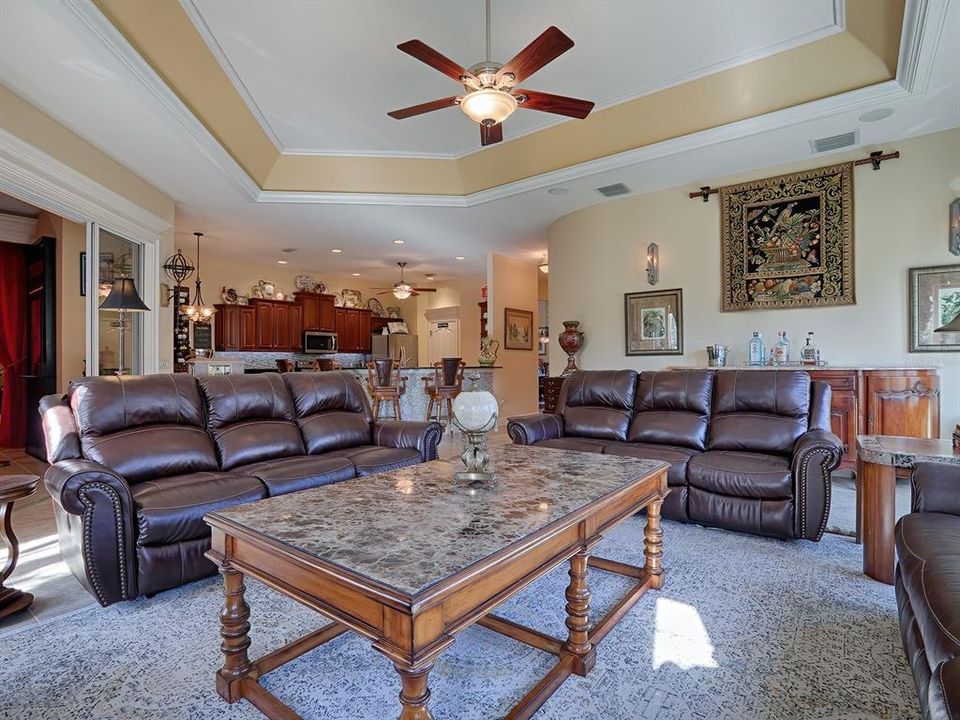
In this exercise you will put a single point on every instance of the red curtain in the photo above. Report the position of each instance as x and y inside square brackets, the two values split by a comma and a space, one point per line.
[13, 345]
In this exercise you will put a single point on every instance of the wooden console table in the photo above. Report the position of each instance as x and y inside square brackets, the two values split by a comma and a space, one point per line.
[12, 488]
[880, 460]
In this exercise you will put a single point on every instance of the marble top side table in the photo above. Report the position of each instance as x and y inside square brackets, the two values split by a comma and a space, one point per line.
[880, 459]
[12, 487]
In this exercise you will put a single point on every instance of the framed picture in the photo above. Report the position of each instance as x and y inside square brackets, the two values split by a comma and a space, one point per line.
[787, 241]
[934, 301]
[517, 329]
[653, 322]
[83, 274]
[954, 243]
[106, 271]
[543, 339]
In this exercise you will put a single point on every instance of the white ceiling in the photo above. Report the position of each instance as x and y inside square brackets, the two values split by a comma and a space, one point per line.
[321, 76]
[13, 206]
[88, 89]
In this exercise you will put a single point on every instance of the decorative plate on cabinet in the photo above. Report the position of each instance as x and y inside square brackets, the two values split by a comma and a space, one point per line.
[394, 312]
[376, 307]
[337, 301]
[305, 282]
[351, 298]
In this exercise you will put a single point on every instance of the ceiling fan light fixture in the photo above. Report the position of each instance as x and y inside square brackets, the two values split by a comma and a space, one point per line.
[402, 290]
[488, 106]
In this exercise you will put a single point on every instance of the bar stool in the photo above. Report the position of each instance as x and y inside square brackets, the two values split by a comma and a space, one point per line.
[324, 364]
[286, 366]
[385, 384]
[447, 384]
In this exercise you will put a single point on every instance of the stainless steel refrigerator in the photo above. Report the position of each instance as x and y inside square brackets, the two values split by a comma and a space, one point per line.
[396, 346]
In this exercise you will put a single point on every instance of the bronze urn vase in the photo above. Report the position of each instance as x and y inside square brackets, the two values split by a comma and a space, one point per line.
[571, 341]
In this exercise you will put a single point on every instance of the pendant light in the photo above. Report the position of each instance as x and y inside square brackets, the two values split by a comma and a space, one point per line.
[198, 311]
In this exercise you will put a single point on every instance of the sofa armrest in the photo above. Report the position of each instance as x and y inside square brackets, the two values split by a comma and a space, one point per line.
[530, 429]
[815, 456]
[943, 692]
[421, 436]
[935, 487]
[95, 520]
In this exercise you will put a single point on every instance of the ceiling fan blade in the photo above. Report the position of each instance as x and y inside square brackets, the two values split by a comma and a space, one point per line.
[492, 134]
[424, 108]
[557, 104]
[551, 44]
[386, 292]
[423, 290]
[426, 54]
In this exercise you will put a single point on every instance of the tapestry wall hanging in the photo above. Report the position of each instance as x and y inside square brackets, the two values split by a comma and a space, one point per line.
[787, 242]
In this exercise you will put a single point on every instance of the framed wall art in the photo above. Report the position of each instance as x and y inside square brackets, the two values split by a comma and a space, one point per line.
[787, 242]
[934, 301]
[517, 329]
[653, 322]
[953, 242]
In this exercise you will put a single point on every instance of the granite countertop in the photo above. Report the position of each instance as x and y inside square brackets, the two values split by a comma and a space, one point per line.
[904, 452]
[411, 528]
[802, 367]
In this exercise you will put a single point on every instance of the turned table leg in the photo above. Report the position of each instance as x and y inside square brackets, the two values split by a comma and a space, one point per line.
[878, 488]
[234, 629]
[578, 616]
[415, 695]
[653, 545]
[11, 599]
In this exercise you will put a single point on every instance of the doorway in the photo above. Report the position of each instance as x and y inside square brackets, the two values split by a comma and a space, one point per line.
[444, 339]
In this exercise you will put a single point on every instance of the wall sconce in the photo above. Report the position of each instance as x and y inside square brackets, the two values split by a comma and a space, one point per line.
[653, 264]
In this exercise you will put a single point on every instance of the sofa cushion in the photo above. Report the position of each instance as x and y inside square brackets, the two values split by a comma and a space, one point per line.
[574, 443]
[743, 514]
[123, 420]
[676, 456]
[332, 410]
[759, 411]
[672, 408]
[598, 403]
[371, 459]
[741, 474]
[286, 475]
[171, 509]
[928, 552]
[250, 418]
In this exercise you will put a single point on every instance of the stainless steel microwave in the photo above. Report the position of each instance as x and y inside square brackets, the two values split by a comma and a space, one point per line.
[316, 342]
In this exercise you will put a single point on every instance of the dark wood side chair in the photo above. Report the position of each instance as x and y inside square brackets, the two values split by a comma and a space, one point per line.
[324, 364]
[286, 366]
[385, 385]
[443, 387]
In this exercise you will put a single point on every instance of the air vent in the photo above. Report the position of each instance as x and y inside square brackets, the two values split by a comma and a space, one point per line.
[613, 190]
[836, 142]
[288, 250]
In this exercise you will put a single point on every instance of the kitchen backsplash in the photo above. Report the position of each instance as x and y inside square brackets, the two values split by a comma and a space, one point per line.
[267, 360]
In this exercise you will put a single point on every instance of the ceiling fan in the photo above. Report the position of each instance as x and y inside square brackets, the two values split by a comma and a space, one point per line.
[402, 290]
[491, 89]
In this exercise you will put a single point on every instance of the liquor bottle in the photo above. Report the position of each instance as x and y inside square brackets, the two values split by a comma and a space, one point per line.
[786, 347]
[757, 351]
[810, 353]
[778, 351]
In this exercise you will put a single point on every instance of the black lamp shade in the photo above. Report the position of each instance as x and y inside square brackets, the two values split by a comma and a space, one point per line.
[123, 296]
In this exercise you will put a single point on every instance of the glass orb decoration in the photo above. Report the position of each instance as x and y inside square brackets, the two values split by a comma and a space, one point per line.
[475, 410]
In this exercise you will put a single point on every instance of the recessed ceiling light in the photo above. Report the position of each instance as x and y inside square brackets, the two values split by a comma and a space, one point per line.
[431, 277]
[355, 274]
[878, 114]
[336, 250]
[281, 262]
[558, 191]
[460, 257]
[398, 242]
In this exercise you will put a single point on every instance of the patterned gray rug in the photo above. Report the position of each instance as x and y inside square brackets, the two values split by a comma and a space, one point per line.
[745, 628]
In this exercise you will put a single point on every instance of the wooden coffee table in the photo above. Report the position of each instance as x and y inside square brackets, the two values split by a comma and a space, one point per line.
[411, 557]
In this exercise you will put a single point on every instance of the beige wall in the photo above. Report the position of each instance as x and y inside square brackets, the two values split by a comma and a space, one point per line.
[597, 254]
[513, 283]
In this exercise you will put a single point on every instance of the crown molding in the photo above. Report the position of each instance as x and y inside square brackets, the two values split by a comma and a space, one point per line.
[17, 228]
[41, 180]
[86, 19]
[923, 22]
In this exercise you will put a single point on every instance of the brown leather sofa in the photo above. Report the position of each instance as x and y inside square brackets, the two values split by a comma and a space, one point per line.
[928, 588]
[136, 462]
[748, 450]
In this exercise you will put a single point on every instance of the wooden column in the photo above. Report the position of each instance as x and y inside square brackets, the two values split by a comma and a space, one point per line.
[653, 545]
[234, 629]
[415, 694]
[578, 616]
[878, 486]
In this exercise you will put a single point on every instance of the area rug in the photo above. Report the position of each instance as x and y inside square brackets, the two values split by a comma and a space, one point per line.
[745, 627]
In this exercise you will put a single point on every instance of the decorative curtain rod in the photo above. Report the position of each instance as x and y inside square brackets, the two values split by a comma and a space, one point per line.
[875, 159]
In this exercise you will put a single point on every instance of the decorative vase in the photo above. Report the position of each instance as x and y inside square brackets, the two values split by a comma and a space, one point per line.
[488, 353]
[571, 340]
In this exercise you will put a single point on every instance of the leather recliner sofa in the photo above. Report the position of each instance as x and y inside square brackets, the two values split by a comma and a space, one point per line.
[928, 588]
[749, 450]
[137, 461]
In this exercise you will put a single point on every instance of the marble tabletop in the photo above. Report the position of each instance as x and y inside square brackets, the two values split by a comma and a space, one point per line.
[411, 528]
[905, 451]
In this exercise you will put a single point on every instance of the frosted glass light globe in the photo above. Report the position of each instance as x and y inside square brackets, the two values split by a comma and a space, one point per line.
[475, 409]
[488, 106]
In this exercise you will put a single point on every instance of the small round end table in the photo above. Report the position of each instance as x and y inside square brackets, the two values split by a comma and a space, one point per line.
[12, 487]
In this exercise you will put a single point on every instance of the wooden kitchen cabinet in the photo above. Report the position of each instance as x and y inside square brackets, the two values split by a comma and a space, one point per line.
[295, 327]
[235, 328]
[365, 325]
[353, 329]
[317, 310]
[279, 325]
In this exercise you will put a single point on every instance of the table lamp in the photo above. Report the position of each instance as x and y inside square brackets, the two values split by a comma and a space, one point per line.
[475, 413]
[123, 298]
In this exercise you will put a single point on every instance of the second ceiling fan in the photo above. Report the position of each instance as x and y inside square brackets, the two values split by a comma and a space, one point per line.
[402, 290]
[492, 92]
